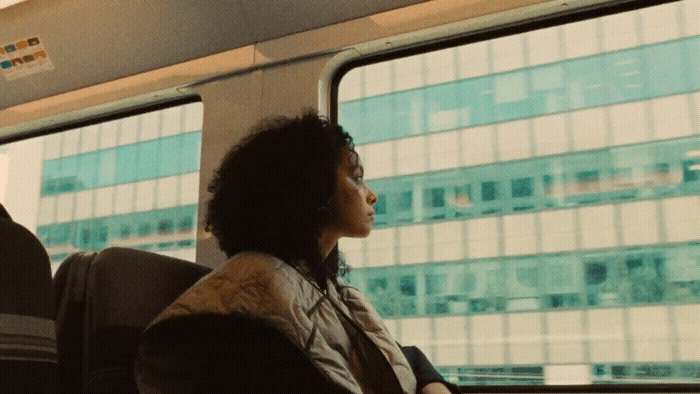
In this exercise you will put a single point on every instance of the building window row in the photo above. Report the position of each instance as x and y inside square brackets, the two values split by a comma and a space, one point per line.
[162, 229]
[658, 169]
[584, 279]
[135, 162]
[613, 373]
[629, 75]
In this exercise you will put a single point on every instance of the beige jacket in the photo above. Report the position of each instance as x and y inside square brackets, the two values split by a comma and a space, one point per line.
[338, 329]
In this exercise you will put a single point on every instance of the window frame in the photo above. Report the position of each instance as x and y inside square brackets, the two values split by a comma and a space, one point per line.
[512, 22]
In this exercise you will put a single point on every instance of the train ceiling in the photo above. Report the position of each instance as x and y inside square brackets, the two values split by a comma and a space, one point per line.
[89, 41]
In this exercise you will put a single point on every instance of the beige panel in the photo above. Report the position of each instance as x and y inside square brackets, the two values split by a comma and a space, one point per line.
[416, 332]
[487, 340]
[353, 251]
[688, 329]
[104, 201]
[483, 237]
[413, 244]
[565, 337]
[444, 151]
[450, 340]
[525, 338]
[380, 248]
[403, 20]
[324, 40]
[146, 195]
[378, 159]
[447, 241]
[607, 335]
[558, 230]
[231, 107]
[84, 204]
[513, 139]
[519, 234]
[651, 334]
[288, 90]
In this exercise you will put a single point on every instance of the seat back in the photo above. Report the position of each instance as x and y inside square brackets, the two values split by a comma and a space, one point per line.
[27, 329]
[107, 300]
[215, 353]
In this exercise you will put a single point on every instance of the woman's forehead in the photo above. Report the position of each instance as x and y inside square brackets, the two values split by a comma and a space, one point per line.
[351, 159]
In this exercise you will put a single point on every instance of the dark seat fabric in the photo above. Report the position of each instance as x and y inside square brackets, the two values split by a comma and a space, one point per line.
[212, 353]
[27, 329]
[106, 301]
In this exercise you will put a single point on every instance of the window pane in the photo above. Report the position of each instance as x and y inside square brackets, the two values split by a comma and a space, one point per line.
[94, 189]
[567, 220]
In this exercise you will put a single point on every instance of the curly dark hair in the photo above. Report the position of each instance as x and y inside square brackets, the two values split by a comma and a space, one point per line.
[271, 192]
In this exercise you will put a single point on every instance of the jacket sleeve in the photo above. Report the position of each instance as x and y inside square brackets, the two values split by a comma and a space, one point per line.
[424, 371]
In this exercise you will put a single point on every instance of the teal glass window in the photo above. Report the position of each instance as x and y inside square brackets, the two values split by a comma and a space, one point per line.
[641, 73]
[95, 234]
[489, 191]
[589, 154]
[145, 229]
[148, 159]
[588, 181]
[624, 76]
[617, 175]
[477, 97]
[125, 231]
[548, 93]
[107, 171]
[661, 79]
[691, 170]
[170, 158]
[166, 226]
[123, 164]
[186, 224]
[88, 176]
[191, 151]
[443, 107]
[405, 202]
[127, 160]
[50, 175]
[380, 205]
[434, 197]
[512, 96]
[521, 187]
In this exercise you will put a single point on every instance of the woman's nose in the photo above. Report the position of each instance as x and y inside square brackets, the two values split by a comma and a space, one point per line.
[371, 197]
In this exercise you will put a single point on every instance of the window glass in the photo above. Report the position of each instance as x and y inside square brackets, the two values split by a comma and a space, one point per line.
[522, 187]
[78, 193]
[589, 236]
[489, 191]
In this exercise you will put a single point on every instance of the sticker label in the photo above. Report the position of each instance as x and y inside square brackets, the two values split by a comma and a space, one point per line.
[24, 57]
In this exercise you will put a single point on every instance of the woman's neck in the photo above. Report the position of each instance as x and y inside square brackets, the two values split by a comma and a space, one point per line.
[327, 242]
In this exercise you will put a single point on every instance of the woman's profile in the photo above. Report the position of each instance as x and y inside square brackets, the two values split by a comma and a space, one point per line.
[278, 315]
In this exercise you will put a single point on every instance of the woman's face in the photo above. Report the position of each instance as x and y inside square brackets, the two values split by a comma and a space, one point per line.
[352, 201]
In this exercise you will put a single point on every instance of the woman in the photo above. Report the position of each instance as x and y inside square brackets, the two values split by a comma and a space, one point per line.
[281, 200]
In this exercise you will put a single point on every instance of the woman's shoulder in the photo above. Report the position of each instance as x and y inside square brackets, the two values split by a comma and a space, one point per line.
[252, 260]
[244, 283]
[253, 265]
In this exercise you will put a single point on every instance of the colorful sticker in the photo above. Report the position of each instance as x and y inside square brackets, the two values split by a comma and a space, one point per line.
[24, 57]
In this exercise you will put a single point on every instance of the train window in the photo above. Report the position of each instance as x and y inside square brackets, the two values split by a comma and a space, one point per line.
[577, 256]
[124, 182]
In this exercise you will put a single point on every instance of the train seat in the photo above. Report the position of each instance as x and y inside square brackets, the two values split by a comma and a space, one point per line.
[105, 301]
[27, 329]
[188, 354]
